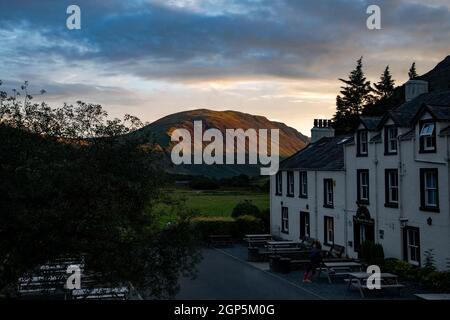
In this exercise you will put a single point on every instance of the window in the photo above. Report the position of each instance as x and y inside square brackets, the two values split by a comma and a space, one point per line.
[304, 225]
[391, 188]
[290, 184]
[429, 190]
[279, 183]
[284, 220]
[363, 186]
[303, 184]
[427, 137]
[328, 201]
[390, 140]
[411, 245]
[328, 234]
[362, 139]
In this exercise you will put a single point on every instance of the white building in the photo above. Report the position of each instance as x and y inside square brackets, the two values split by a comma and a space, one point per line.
[389, 183]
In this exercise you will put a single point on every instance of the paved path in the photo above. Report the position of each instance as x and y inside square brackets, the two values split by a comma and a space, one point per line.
[223, 276]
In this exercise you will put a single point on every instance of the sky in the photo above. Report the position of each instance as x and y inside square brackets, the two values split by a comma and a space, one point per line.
[277, 58]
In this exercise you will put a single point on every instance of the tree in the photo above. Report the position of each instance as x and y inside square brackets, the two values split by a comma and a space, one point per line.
[385, 87]
[355, 95]
[72, 185]
[245, 208]
[412, 72]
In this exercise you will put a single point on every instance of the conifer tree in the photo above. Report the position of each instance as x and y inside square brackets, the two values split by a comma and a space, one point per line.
[385, 87]
[412, 71]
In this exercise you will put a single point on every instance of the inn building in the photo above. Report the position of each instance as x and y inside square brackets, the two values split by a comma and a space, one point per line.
[388, 183]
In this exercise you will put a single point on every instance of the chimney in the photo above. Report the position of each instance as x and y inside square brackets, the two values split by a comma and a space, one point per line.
[322, 128]
[414, 88]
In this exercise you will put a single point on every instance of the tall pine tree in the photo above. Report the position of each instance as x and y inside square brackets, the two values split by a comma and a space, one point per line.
[356, 94]
[412, 71]
[385, 87]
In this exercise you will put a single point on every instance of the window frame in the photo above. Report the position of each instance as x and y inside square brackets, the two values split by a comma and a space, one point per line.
[305, 228]
[285, 220]
[303, 184]
[407, 245]
[360, 142]
[290, 183]
[423, 139]
[424, 206]
[326, 239]
[279, 183]
[328, 182]
[388, 187]
[359, 174]
[388, 139]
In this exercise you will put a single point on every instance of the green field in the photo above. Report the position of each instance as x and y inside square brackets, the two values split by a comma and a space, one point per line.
[217, 202]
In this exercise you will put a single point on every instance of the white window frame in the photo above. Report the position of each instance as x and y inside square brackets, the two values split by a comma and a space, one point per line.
[427, 133]
[391, 186]
[363, 143]
[392, 133]
[329, 192]
[413, 234]
[303, 176]
[363, 186]
[279, 183]
[430, 189]
[285, 220]
[329, 229]
[290, 183]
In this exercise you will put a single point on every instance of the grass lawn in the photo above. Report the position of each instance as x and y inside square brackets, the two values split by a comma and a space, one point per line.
[218, 202]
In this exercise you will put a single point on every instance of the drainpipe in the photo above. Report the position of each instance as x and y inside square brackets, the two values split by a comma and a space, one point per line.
[345, 203]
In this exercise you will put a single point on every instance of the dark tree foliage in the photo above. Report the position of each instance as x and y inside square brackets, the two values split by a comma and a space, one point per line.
[355, 95]
[245, 208]
[72, 184]
[385, 87]
[412, 72]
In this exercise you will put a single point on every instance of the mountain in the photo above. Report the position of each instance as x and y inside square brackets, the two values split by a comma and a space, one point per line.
[159, 132]
[439, 77]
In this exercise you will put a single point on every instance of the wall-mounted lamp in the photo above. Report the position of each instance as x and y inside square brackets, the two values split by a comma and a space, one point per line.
[429, 221]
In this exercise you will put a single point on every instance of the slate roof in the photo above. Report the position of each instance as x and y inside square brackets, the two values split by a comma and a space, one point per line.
[371, 123]
[376, 138]
[405, 113]
[408, 135]
[445, 131]
[327, 154]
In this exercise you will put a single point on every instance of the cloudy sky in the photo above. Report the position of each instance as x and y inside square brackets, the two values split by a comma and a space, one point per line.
[277, 58]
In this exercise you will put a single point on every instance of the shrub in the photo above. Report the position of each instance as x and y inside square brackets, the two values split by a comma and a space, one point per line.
[245, 208]
[439, 281]
[398, 267]
[248, 225]
[237, 228]
[372, 253]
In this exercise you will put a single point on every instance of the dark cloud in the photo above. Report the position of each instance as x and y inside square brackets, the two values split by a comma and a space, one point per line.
[285, 38]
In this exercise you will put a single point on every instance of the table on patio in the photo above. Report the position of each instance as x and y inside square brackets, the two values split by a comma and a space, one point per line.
[335, 269]
[257, 239]
[359, 281]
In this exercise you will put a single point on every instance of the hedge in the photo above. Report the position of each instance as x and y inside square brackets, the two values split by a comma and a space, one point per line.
[236, 227]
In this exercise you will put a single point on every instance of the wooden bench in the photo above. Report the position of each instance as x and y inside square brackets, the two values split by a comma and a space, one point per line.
[220, 240]
[257, 240]
[120, 293]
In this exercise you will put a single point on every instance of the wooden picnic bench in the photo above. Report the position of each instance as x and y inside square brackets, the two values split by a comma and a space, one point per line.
[119, 293]
[338, 269]
[256, 240]
[220, 240]
[358, 280]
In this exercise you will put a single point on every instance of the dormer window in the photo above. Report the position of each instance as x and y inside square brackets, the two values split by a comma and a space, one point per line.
[362, 143]
[427, 137]
[390, 140]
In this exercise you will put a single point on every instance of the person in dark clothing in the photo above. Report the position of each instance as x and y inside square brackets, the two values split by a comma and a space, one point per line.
[315, 261]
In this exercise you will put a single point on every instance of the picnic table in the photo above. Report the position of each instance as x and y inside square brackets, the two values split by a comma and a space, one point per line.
[119, 293]
[336, 269]
[433, 296]
[359, 281]
[257, 239]
[282, 244]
